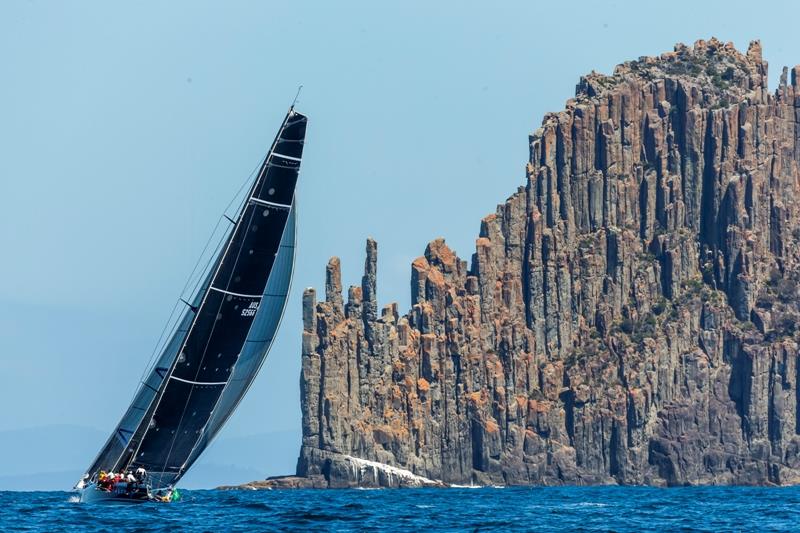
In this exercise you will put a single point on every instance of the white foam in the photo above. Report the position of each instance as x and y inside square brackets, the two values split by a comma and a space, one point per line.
[360, 467]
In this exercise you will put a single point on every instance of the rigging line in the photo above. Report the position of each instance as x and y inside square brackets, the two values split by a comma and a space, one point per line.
[202, 254]
[151, 361]
[296, 96]
[242, 186]
[205, 296]
[210, 260]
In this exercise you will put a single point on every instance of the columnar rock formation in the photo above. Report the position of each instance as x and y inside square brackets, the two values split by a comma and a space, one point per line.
[628, 316]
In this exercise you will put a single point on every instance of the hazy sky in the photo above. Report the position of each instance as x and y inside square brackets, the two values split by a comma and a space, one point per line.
[125, 129]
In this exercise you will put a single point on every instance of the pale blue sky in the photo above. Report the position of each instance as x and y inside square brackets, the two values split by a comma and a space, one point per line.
[126, 128]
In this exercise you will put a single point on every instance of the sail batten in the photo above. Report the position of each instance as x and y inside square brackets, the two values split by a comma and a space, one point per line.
[189, 393]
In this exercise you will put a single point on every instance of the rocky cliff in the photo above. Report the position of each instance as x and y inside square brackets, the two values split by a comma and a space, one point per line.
[630, 314]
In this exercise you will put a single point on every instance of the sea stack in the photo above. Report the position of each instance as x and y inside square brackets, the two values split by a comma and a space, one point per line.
[629, 315]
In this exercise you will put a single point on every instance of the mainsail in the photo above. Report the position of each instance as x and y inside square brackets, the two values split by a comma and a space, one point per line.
[224, 335]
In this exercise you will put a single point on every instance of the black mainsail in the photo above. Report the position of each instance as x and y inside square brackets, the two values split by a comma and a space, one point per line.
[224, 336]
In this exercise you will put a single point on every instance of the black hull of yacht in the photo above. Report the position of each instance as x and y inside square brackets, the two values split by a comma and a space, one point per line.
[94, 494]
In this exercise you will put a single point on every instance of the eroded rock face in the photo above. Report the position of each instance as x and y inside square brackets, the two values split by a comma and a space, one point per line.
[629, 316]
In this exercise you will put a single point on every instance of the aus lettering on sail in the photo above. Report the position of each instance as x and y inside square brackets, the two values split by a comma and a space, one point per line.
[251, 310]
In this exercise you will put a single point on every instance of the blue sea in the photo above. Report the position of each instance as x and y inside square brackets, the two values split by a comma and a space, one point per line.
[483, 509]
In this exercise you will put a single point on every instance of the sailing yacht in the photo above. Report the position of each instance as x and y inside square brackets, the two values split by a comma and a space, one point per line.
[218, 345]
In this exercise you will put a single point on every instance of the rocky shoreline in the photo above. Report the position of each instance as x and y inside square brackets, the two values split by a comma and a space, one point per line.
[363, 474]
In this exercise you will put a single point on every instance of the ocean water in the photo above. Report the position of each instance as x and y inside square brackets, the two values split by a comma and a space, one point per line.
[483, 509]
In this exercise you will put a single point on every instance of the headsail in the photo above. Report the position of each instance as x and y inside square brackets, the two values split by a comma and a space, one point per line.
[225, 335]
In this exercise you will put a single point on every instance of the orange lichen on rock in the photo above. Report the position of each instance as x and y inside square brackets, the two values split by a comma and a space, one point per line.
[538, 406]
[491, 426]
[420, 263]
[423, 385]
[477, 397]
[435, 277]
